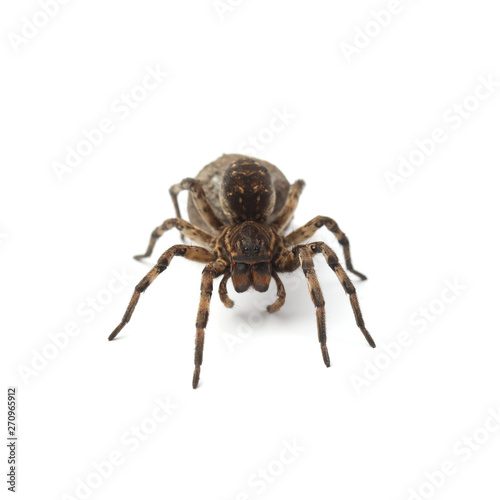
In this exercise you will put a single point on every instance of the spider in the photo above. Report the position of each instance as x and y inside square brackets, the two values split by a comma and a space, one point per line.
[239, 208]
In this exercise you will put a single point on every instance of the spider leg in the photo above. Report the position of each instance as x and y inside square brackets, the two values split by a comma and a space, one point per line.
[223, 291]
[281, 294]
[210, 272]
[304, 256]
[174, 191]
[192, 232]
[200, 200]
[307, 230]
[197, 254]
[333, 262]
[282, 220]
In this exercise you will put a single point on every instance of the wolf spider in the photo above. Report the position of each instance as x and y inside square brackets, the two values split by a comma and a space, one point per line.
[240, 207]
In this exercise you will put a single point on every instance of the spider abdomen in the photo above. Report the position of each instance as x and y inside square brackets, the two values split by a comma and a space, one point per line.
[211, 178]
[247, 192]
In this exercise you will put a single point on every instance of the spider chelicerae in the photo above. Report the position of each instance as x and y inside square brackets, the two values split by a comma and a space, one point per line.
[239, 208]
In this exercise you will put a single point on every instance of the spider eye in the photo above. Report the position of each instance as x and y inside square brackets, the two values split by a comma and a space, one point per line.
[245, 249]
[256, 248]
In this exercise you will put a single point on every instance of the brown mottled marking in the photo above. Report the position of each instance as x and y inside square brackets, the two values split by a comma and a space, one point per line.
[253, 183]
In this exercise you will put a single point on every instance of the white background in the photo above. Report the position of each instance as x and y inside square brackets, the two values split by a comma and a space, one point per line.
[63, 238]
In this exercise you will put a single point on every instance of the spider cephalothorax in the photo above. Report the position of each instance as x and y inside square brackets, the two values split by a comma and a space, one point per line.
[250, 246]
[239, 208]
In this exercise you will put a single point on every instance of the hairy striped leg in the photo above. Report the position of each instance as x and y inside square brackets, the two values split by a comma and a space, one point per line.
[333, 262]
[306, 261]
[210, 272]
[197, 254]
[301, 256]
[200, 201]
[192, 232]
[307, 230]
[282, 220]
